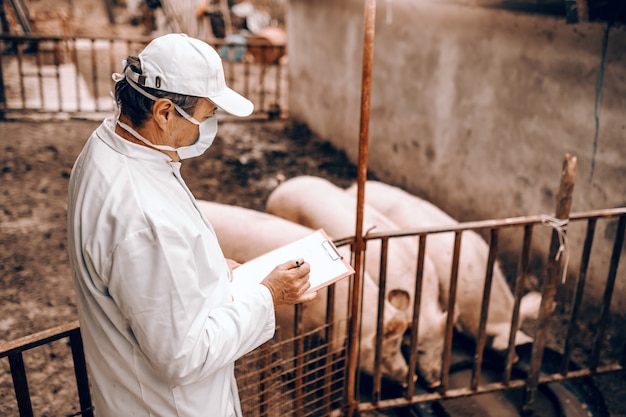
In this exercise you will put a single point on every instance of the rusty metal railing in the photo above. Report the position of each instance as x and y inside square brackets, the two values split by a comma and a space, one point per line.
[599, 360]
[52, 75]
[302, 376]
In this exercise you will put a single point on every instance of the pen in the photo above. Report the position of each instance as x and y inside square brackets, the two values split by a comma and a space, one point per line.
[299, 262]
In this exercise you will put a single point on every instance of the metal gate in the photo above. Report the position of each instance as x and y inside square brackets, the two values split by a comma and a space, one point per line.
[53, 76]
[303, 376]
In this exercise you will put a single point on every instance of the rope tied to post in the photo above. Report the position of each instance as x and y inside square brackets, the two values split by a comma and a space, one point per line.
[560, 226]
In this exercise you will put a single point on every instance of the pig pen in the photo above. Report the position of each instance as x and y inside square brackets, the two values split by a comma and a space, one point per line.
[41, 368]
[550, 377]
[296, 376]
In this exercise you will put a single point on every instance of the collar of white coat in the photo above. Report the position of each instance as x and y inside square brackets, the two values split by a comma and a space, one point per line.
[106, 132]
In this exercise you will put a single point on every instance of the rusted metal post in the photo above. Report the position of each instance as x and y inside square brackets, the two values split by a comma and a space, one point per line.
[608, 294]
[359, 244]
[482, 334]
[519, 288]
[572, 329]
[563, 207]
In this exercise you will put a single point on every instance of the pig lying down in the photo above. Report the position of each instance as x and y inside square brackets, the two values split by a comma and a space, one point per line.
[327, 206]
[409, 211]
[245, 234]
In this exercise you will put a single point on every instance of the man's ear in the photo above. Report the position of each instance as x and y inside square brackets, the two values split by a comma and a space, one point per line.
[163, 111]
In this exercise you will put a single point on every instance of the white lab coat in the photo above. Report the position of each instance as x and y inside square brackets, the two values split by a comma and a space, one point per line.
[160, 326]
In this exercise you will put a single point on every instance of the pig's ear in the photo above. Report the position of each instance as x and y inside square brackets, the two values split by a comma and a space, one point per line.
[400, 299]
[394, 327]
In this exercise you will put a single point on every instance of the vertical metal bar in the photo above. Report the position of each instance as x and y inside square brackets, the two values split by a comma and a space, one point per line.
[452, 292]
[359, 244]
[230, 61]
[80, 372]
[519, 289]
[608, 292]
[298, 360]
[57, 63]
[94, 73]
[417, 302]
[275, 107]
[39, 64]
[20, 66]
[330, 338]
[246, 78]
[563, 206]
[353, 295]
[382, 283]
[20, 384]
[76, 74]
[262, 87]
[112, 60]
[263, 387]
[572, 329]
[484, 311]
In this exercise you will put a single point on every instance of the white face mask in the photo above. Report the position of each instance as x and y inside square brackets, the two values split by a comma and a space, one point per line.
[207, 131]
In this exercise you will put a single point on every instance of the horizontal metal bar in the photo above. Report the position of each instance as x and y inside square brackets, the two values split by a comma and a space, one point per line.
[483, 389]
[38, 339]
[491, 224]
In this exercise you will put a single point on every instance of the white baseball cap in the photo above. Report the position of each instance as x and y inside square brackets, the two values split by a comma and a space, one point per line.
[180, 64]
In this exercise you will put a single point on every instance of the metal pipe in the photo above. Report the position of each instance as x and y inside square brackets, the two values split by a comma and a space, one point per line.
[482, 334]
[359, 244]
[572, 330]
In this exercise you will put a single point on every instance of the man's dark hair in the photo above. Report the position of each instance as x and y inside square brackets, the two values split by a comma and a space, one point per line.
[138, 107]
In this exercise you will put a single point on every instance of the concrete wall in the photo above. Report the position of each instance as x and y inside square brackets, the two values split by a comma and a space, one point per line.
[472, 108]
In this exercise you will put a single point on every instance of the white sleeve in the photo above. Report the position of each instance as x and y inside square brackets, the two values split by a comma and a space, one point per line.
[186, 329]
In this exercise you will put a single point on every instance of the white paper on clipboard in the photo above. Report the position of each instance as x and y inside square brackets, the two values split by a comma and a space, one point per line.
[327, 265]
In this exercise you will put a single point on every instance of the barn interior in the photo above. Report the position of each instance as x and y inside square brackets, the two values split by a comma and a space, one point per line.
[54, 115]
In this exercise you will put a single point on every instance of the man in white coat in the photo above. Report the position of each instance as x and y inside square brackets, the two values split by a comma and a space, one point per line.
[160, 325]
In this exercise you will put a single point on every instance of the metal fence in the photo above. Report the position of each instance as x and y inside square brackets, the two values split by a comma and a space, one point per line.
[601, 349]
[52, 75]
[304, 375]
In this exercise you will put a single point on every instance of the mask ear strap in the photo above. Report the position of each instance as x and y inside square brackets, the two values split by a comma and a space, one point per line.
[144, 140]
[152, 97]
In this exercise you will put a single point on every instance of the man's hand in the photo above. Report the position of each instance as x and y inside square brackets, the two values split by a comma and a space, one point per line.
[289, 282]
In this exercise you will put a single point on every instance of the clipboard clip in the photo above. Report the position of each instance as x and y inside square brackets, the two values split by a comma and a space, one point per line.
[331, 250]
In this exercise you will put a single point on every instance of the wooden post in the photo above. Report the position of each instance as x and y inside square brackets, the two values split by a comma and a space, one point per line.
[553, 276]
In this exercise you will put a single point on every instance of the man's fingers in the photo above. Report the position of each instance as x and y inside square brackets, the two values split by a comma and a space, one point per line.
[306, 297]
